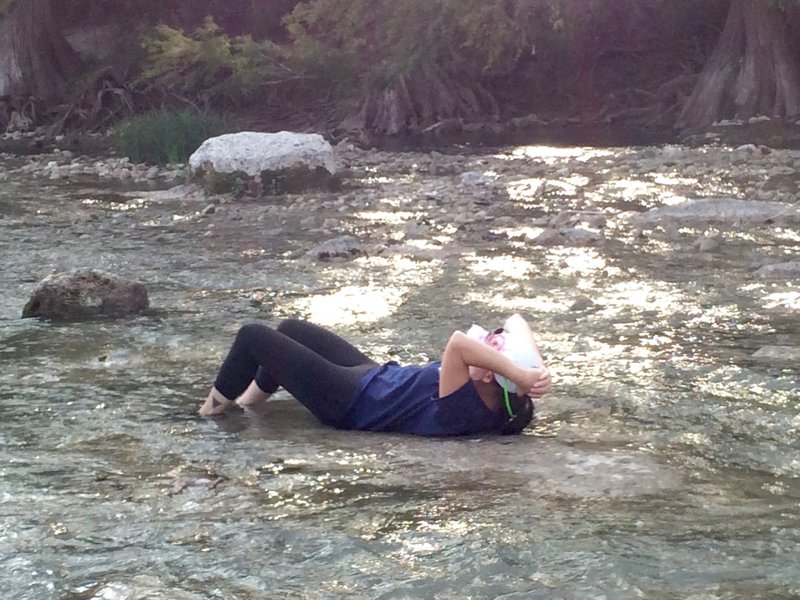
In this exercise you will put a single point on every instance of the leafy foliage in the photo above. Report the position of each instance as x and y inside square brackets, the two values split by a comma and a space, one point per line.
[384, 39]
[409, 64]
[212, 67]
[392, 65]
[165, 137]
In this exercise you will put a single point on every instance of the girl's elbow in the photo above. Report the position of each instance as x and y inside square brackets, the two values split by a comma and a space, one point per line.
[456, 340]
[457, 337]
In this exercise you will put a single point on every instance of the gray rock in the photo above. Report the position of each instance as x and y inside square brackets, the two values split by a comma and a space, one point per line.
[342, 247]
[778, 353]
[85, 293]
[789, 270]
[583, 303]
[475, 178]
[720, 210]
[575, 236]
[708, 243]
[563, 218]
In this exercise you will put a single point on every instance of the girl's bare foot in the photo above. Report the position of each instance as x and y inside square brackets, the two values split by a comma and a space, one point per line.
[252, 397]
[215, 404]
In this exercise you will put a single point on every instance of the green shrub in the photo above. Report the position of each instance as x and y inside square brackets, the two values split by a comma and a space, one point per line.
[161, 137]
[214, 68]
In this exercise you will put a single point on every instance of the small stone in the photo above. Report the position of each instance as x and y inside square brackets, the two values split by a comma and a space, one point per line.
[257, 299]
[582, 303]
[708, 243]
[475, 178]
[784, 270]
[568, 237]
[778, 353]
[341, 247]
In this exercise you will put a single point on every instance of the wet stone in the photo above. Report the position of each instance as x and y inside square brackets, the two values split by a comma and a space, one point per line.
[789, 270]
[85, 293]
[341, 247]
[782, 354]
[582, 303]
[575, 236]
[732, 211]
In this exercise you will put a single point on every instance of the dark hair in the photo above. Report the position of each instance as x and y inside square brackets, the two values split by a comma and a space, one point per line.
[522, 409]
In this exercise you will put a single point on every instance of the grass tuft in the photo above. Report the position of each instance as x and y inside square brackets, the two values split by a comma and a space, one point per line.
[162, 137]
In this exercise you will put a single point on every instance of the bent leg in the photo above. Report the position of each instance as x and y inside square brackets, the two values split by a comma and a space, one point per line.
[324, 387]
[324, 342]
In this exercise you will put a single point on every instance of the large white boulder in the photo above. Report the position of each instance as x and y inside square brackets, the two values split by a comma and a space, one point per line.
[263, 162]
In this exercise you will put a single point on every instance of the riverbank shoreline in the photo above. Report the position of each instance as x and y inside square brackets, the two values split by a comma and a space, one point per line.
[455, 136]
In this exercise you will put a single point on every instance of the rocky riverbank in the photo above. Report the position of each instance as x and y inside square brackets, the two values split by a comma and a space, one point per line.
[735, 207]
[525, 195]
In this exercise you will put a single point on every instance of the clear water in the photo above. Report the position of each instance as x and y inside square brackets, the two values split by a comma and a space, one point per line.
[665, 463]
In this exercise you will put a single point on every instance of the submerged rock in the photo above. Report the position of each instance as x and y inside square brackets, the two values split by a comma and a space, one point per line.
[732, 211]
[788, 270]
[85, 293]
[342, 247]
[778, 353]
[568, 236]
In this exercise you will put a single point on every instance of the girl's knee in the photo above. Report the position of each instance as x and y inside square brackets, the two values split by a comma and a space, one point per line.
[251, 331]
[288, 325]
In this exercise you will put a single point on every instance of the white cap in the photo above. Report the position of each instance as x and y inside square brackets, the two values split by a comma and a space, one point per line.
[514, 346]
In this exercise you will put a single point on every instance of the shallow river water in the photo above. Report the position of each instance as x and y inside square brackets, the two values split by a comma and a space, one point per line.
[664, 464]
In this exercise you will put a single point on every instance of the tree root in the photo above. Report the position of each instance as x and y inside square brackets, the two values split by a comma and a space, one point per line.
[19, 113]
[412, 103]
[105, 99]
[646, 108]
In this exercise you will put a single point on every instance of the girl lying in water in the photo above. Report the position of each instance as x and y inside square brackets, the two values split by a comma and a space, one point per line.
[483, 383]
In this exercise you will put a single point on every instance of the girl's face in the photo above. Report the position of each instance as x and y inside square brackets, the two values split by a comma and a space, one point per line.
[478, 374]
[496, 341]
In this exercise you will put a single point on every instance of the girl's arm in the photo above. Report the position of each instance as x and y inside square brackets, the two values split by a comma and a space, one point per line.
[517, 325]
[463, 352]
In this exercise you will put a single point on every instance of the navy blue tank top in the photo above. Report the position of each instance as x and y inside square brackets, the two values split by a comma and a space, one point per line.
[406, 399]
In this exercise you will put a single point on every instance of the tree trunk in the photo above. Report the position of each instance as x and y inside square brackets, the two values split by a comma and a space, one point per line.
[35, 59]
[753, 70]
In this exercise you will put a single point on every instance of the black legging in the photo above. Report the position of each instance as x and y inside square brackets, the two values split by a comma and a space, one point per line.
[314, 365]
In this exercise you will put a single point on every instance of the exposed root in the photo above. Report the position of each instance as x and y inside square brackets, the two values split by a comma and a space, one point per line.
[417, 101]
[19, 113]
[642, 107]
[105, 99]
